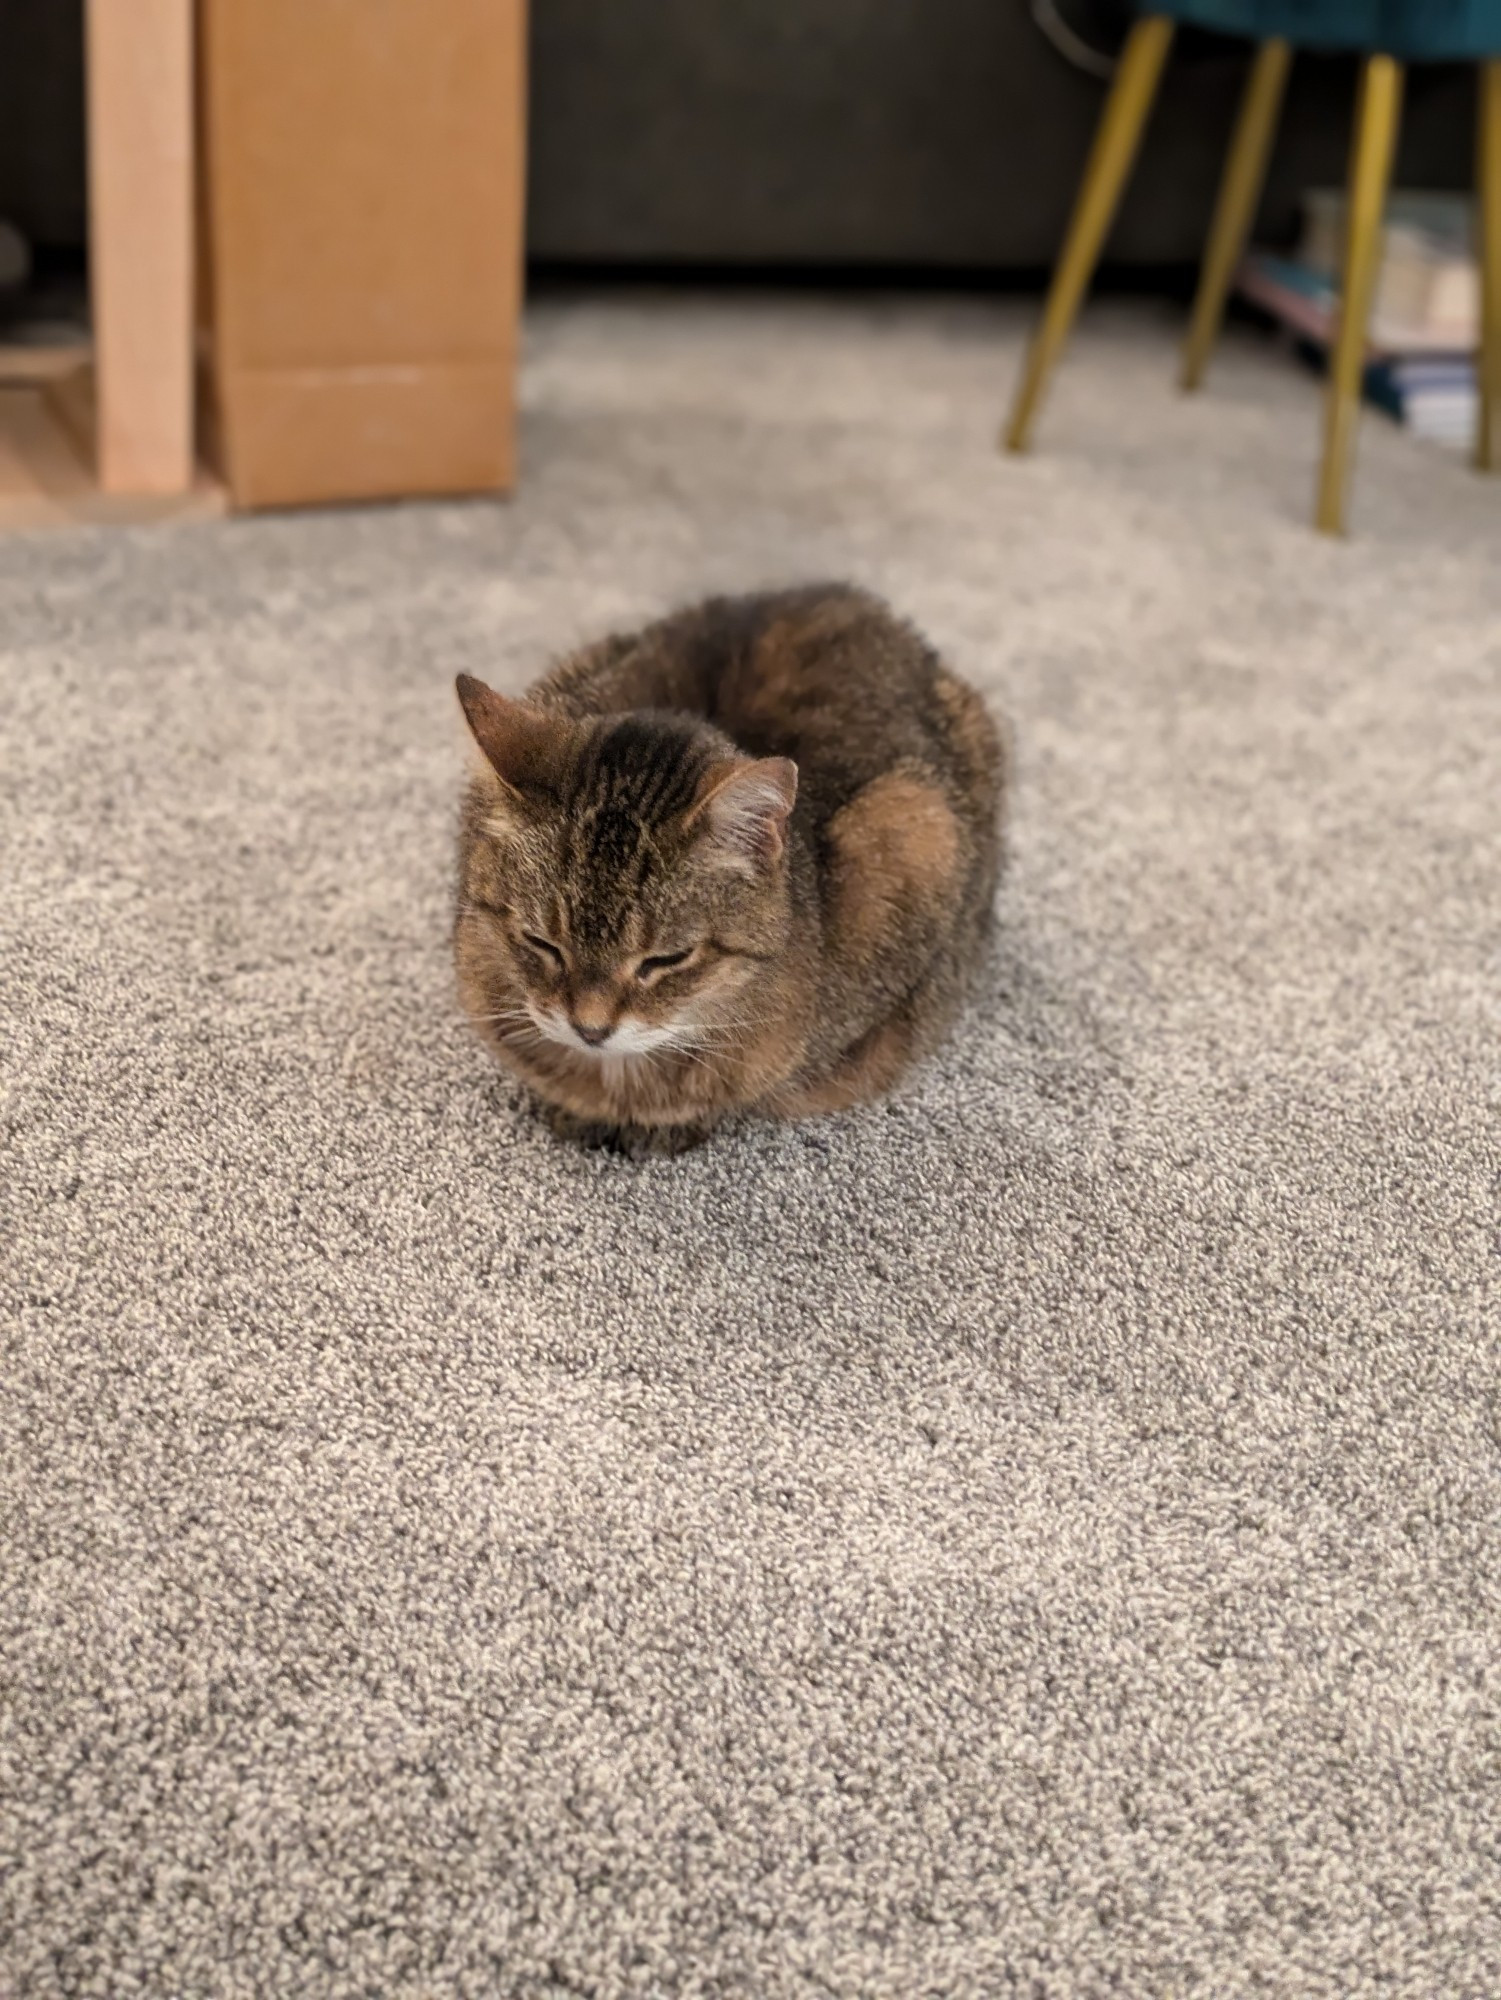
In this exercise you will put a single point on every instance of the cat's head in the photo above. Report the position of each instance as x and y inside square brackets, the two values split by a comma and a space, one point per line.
[625, 875]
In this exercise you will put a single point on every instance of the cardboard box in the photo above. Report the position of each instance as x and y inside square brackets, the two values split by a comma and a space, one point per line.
[362, 245]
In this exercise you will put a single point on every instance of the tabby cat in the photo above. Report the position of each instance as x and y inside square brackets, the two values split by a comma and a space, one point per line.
[743, 860]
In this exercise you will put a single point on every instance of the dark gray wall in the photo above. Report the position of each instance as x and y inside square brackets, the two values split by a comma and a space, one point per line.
[937, 132]
[916, 132]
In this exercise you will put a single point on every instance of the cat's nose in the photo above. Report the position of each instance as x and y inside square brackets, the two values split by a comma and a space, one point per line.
[593, 1036]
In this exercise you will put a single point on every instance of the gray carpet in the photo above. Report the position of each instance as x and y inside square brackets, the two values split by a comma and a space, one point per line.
[1040, 1536]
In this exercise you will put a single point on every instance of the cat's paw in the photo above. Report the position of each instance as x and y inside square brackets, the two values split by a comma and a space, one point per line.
[591, 1132]
[637, 1142]
[660, 1142]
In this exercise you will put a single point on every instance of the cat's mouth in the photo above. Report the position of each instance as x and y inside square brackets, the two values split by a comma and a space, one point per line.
[626, 1038]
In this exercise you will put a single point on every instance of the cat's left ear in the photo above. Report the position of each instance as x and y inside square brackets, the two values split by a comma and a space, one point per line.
[741, 811]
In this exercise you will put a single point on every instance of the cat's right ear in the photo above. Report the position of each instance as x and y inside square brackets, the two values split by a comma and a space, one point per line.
[520, 745]
[742, 809]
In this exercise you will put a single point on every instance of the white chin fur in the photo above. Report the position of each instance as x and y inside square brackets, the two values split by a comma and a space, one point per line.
[631, 1038]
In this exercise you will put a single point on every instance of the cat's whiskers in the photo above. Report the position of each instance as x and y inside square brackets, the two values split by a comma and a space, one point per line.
[720, 1017]
[511, 1025]
[688, 1054]
[696, 1042]
[518, 1015]
[710, 1034]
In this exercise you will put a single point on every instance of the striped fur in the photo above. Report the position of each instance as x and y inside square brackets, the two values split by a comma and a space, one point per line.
[742, 860]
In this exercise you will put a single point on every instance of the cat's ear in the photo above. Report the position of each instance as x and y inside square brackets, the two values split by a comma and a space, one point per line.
[741, 813]
[521, 745]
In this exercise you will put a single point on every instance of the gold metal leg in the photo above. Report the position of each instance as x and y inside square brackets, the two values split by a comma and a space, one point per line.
[1365, 199]
[1235, 209]
[1488, 369]
[1105, 177]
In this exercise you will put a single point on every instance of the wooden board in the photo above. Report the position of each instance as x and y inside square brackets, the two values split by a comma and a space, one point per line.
[140, 117]
[42, 364]
[46, 464]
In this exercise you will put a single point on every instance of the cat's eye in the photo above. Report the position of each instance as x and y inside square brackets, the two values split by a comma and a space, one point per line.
[542, 945]
[663, 962]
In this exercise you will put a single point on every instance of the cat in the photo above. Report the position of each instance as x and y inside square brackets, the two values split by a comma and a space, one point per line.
[741, 861]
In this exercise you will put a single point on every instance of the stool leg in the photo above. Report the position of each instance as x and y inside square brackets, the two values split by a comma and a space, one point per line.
[1370, 170]
[1488, 368]
[1235, 208]
[1110, 159]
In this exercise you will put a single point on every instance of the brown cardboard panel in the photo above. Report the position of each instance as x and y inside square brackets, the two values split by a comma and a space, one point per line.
[300, 437]
[364, 210]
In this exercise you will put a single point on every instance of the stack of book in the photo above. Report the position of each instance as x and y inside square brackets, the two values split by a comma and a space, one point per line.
[1425, 322]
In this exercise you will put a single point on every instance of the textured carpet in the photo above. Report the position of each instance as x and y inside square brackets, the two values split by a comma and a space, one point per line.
[1040, 1536]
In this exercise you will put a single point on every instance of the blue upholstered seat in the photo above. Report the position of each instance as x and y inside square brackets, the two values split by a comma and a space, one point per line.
[1412, 30]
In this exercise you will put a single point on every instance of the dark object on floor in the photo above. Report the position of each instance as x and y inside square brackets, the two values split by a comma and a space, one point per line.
[663, 918]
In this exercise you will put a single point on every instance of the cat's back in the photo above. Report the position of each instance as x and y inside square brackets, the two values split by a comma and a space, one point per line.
[829, 675]
[824, 673]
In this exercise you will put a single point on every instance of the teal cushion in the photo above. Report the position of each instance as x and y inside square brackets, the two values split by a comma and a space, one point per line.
[1438, 30]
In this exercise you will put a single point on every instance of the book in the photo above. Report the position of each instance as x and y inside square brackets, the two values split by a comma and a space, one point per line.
[1425, 380]
[1435, 399]
[1306, 300]
[1429, 280]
